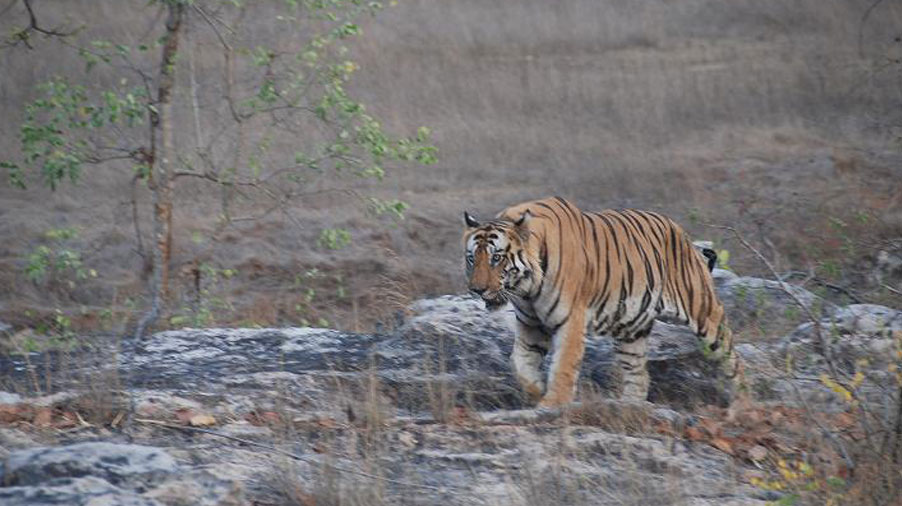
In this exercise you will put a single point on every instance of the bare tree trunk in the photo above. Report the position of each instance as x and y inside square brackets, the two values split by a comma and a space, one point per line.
[166, 155]
[161, 174]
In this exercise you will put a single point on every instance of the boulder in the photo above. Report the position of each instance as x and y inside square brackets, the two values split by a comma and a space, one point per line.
[135, 466]
[432, 402]
[84, 491]
[450, 343]
[763, 302]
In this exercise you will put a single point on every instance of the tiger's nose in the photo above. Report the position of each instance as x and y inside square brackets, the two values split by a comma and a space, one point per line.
[477, 291]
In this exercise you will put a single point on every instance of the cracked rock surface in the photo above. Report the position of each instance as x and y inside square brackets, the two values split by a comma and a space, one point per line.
[431, 406]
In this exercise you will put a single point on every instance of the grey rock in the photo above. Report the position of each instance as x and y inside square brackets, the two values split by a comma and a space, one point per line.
[722, 277]
[134, 466]
[449, 354]
[449, 343]
[764, 302]
[13, 439]
[98, 473]
[888, 266]
[10, 398]
[84, 491]
[201, 487]
[867, 319]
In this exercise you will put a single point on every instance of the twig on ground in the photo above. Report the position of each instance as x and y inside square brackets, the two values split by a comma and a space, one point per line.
[891, 289]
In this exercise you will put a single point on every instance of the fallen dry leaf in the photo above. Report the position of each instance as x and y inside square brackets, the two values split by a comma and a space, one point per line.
[184, 415]
[202, 421]
[723, 445]
[10, 413]
[758, 453]
[695, 434]
[713, 427]
[43, 417]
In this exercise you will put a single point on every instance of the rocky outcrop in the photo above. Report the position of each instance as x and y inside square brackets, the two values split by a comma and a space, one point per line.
[763, 302]
[107, 473]
[430, 406]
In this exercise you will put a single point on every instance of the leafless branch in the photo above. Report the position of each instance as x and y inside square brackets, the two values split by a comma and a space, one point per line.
[229, 63]
[810, 278]
[33, 22]
[815, 321]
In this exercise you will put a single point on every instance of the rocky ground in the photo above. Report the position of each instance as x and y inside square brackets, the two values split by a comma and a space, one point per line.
[426, 413]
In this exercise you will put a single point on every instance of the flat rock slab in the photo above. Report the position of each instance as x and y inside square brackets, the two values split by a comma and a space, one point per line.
[101, 473]
[432, 403]
[450, 342]
[114, 463]
[83, 491]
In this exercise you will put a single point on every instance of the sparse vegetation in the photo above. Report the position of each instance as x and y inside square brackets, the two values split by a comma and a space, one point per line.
[236, 157]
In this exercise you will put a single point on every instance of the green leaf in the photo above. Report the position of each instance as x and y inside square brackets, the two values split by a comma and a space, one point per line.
[15, 174]
[334, 238]
[788, 500]
[836, 482]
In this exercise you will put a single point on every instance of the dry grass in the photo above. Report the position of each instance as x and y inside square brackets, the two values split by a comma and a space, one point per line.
[611, 415]
[296, 485]
[765, 115]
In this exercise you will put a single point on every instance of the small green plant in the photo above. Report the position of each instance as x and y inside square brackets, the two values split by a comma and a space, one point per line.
[207, 303]
[307, 295]
[393, 207]
[57, 264]
[334, 238]
[723, 259]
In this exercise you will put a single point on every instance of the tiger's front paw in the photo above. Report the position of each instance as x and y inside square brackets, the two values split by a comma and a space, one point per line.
[551, 401]
[534, 391]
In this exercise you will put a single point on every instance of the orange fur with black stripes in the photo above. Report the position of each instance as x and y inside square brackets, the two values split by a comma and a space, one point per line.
[569, 273]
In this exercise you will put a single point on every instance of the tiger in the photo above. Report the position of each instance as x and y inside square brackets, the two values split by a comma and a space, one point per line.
[570, 273]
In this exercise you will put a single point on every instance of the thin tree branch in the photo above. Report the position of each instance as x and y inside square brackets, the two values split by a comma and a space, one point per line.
[824, 345]
[33, 23]
[811, 278]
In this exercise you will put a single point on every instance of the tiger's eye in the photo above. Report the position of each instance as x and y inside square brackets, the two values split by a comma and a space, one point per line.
[496, 258]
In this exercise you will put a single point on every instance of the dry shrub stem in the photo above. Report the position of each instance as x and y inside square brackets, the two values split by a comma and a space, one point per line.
[824, 345]
[822, 342]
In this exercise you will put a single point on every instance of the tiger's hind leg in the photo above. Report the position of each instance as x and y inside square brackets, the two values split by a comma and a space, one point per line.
[631, 352]
[530, 347]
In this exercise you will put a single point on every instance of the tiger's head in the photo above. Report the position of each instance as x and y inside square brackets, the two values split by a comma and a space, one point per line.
[499, 262]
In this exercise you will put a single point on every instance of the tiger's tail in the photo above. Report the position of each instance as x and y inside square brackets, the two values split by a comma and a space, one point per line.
[717, 338]
[706, 313]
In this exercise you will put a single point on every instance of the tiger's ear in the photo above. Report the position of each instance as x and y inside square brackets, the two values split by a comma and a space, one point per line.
[472, 223]
[521, 224]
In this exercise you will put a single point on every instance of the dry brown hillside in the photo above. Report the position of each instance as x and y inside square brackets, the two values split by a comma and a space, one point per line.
[779, 118]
